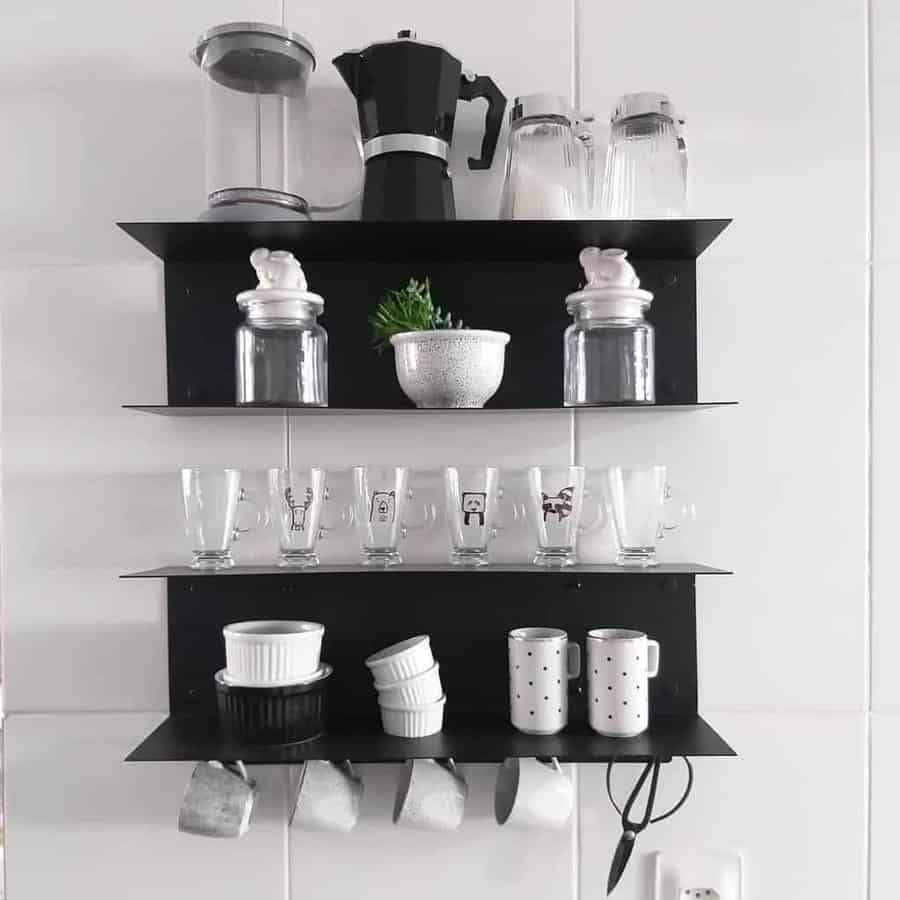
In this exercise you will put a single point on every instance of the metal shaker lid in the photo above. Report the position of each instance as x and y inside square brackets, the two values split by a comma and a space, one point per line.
[642, 104]
[256, 58]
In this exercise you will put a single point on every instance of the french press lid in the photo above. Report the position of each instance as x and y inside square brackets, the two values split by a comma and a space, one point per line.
[613, 289]
[282, 290]
[256, 58]
[541, 106]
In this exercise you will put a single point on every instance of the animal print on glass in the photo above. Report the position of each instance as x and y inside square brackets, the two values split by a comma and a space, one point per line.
[298, 510]
[383, 507]
[473, 507]
[559, 505]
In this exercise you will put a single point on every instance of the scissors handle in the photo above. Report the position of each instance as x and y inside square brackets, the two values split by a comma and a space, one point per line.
[627, 823]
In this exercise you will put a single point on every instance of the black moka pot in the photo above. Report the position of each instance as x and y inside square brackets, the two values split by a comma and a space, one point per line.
[406, 92]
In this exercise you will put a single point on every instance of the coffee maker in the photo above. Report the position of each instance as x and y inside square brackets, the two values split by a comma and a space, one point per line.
[406, 92]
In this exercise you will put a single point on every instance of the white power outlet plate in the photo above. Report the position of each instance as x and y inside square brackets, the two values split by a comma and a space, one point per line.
[698, 875]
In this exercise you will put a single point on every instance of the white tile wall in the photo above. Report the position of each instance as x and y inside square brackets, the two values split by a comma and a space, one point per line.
[480, 859]
[101, 112]
[80, 821]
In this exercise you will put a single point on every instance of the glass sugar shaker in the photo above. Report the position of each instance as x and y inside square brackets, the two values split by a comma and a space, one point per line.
[282, 351]
[609, 348]
[646, 162]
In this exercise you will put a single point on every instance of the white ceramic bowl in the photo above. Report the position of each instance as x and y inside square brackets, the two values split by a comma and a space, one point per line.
[423, 688]
[450, 368]
[272, 654]
[404, 660]
[414, 721]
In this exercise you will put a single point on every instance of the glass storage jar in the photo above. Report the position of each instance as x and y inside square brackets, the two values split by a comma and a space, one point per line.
[609, 348]
[282, 351]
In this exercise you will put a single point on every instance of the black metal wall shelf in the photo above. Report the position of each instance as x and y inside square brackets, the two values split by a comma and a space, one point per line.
[508, 276]
[468, 615]
[460, 240]
[570, 573]
[232, 409]
[196, 738]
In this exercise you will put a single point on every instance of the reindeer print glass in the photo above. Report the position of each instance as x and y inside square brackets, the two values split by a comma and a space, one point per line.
[298, 500]
[211, 498]
[556, 497]
[471, 500]
[619, 664]
[381, 510]
[642, 509]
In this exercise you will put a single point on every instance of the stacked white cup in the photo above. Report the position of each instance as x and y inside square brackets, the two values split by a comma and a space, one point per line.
[410, 693]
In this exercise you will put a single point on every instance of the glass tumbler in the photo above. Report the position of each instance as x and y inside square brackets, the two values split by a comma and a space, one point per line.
[472, 498]
[646, 167]
[556, 498]
[381, 511]
[642, 508]
[211, 499]
[298, 500]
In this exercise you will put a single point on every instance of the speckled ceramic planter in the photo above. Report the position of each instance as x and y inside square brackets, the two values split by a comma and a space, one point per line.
[450, 368]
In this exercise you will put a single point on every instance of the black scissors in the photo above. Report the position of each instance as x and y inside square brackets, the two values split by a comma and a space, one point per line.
[630, 829]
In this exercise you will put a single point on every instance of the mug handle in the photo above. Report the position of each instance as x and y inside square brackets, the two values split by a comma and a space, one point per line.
[573, 659]
[652, 658]
[677, 511]
[344, 518]
[509, 510]
[429, 511]
[596, 521]
[262, 515]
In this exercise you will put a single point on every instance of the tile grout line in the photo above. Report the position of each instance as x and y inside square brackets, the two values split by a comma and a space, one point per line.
[869, 437]
[575, 90]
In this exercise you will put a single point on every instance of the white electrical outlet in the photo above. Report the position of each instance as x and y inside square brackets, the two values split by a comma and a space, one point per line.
[698, 875]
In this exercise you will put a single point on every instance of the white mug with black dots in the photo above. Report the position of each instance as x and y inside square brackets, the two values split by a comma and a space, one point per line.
[541, 662]
[620, 662]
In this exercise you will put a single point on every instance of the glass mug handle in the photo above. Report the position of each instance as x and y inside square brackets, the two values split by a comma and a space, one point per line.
[344, 520]
[429, 513]
[262, 517]
[598, 519]
[509, 511]
[675, 512]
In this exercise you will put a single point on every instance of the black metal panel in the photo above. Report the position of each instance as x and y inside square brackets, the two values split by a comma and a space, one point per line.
[195, 737]
[463, 240]
[525, 298]
[468, 616]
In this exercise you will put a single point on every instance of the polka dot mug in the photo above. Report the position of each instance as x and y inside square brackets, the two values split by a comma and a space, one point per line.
[620, 662]
[541, 662]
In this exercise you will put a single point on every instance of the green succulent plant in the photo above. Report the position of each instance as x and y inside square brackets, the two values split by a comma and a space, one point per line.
[410, 308]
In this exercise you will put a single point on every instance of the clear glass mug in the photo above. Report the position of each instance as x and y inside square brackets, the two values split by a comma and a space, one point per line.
[643, 508]
[298, 501]
[211, 498]
[475, 509]
[381, 511]
[556, 504]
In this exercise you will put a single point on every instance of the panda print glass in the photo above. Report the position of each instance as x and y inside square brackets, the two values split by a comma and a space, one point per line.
[471, 499]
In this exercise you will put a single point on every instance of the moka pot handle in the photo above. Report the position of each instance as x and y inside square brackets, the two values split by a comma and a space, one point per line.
[470, 88]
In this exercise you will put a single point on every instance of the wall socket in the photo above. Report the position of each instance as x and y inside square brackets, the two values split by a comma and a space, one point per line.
[698, 875]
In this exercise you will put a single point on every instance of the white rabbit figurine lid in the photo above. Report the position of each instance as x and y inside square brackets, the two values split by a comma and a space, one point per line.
[611, 280]
[282, 288]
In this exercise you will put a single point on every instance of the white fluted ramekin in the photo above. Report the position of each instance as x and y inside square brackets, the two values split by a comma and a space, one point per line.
[423, 688]
[272, 654]
[414, 721]
[404, 660]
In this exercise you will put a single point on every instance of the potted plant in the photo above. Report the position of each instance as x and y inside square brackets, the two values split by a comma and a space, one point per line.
[441, 363]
